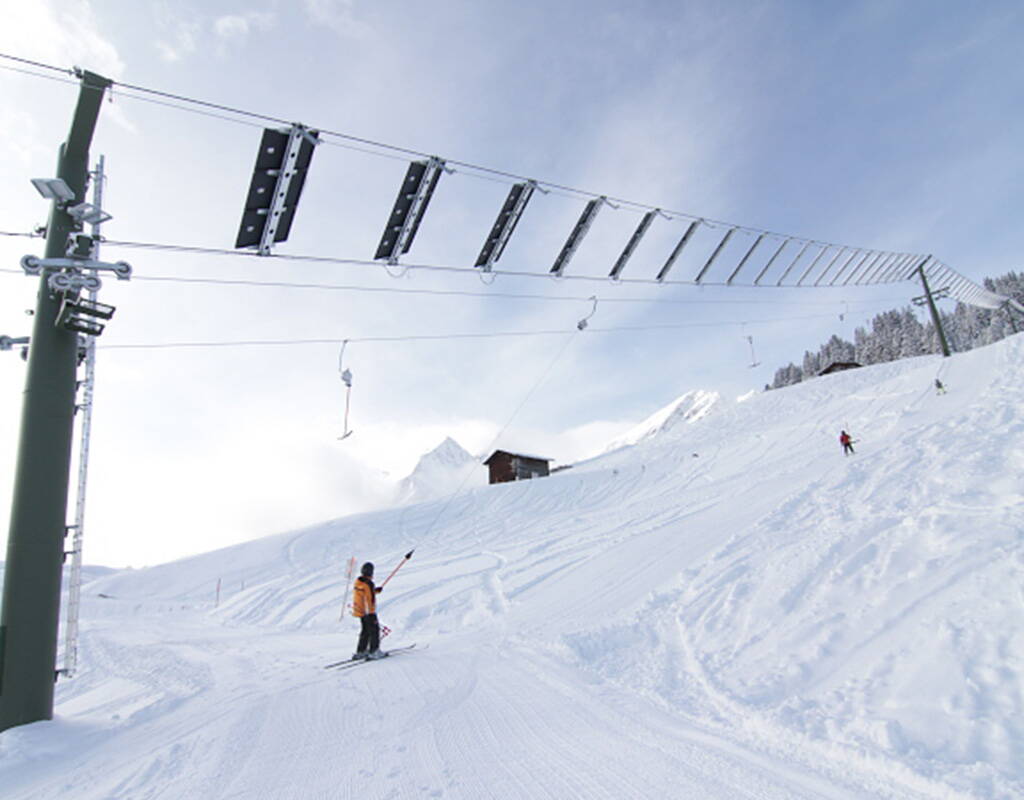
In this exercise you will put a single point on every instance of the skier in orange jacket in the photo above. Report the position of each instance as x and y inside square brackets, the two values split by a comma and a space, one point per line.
[364, 606]
[846, 442]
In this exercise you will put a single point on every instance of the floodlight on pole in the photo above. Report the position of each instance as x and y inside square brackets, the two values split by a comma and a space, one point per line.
[89, 214]
[677, 250]
[277, 180]
[54, 189]
[519, 195]
[578, 232]
[411, 204]
[634, 240]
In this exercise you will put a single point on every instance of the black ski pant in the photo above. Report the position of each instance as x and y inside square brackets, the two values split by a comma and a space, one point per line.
[369, 636]
[847, 449]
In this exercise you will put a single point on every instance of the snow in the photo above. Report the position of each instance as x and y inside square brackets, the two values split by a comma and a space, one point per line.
[446, 469]
[690, 407]
[769, 619]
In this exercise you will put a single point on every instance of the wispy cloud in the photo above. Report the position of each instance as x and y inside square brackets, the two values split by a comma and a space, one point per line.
[235, 27]
[57, 32]
[338, 15]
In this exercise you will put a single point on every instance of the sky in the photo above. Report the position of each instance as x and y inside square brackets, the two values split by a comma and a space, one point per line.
[891, 126]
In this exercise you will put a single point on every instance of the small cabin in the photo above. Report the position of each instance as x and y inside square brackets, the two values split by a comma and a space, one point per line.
[839, 366]
[505, 466]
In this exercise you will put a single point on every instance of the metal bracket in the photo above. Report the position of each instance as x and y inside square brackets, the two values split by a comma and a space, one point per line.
[33, 265]
[87, 212]
[296, 135]
[435, 165]
[8, 342]
[938, 294]
[80, 245]
[73, 282]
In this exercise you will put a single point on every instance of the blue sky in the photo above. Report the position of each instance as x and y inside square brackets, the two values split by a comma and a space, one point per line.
[887, 125]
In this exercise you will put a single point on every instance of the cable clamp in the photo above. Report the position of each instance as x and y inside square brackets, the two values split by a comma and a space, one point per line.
[73, 282]
[33, 265]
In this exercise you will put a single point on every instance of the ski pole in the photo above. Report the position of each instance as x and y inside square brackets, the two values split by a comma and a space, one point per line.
[400, 563]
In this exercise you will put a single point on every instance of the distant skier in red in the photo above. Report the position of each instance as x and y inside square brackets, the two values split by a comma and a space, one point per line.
[364, 606]
[846, 442]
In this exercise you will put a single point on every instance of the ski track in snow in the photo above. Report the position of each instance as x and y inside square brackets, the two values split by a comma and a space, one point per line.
[768, 619]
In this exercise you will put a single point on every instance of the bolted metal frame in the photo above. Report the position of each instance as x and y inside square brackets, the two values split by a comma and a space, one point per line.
[422, 178]
[518, 196]
[634, 240]
[677, 250]
[743, 261]
[578, 232]
[793, 263]
[771, 261]
[714, 255]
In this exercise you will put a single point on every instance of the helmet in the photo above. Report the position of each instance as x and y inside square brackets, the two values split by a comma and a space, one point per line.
[367, 569]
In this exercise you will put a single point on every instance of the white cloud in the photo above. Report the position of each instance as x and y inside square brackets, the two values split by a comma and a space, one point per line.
[338, 15]
[61, 33]
[183, 42]
[238, 26]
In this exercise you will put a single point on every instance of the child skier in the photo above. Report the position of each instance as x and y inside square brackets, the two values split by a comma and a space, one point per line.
[364, 606]
[939, 388]
[846, 442]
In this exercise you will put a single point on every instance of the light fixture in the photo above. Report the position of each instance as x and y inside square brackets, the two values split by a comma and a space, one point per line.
[88, 213]
[54, 189]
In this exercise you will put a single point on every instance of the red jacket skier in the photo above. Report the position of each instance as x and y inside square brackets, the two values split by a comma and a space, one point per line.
[364, 606]
[846, 442]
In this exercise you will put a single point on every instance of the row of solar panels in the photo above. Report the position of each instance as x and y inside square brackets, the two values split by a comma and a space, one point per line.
[283, 161]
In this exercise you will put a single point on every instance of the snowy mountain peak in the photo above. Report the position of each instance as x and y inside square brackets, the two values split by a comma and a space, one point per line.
[448, 452]
[445, 469]
[689, 407]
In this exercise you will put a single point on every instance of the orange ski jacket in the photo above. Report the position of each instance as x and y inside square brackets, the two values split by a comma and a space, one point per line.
[364, 597]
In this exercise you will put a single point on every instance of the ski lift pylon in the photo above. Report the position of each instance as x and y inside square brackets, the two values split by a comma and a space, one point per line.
[346, 378]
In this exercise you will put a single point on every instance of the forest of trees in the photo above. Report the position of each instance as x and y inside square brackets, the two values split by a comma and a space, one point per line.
[900, 334]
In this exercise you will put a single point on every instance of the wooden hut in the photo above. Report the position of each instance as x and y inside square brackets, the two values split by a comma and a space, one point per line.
[505, 466]
[839, 366]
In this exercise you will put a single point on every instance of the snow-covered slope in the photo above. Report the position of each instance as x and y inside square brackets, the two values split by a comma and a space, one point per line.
[445, 469]
[769, 620]
[688, 408]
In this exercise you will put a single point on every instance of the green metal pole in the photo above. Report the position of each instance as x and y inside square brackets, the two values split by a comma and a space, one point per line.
[931, 307]
[29, 624]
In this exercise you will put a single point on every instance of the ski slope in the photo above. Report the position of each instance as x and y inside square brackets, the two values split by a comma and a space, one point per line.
[727, 609]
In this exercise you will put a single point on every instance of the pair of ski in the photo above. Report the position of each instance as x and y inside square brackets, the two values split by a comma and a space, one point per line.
[355, 662]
